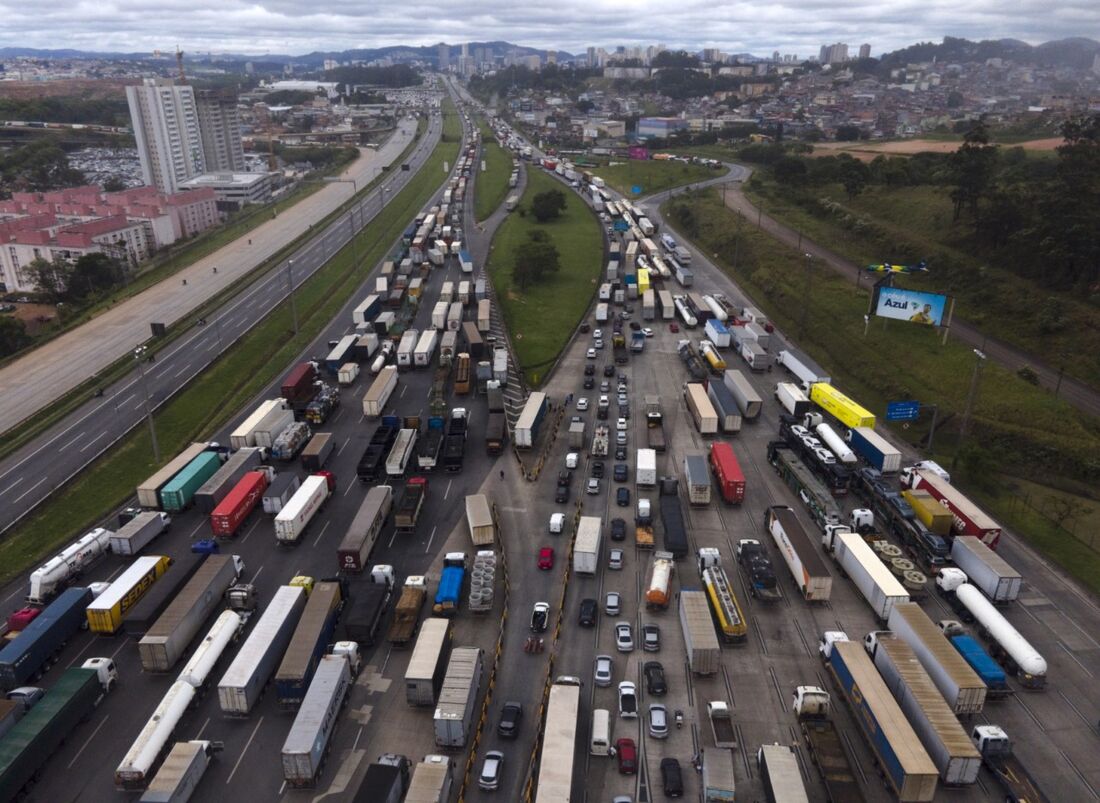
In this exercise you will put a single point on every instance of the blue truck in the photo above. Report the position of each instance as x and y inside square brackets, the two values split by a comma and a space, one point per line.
[450, 584]
[875, 449]
[311, 637]
[33, 649]
[986, 668]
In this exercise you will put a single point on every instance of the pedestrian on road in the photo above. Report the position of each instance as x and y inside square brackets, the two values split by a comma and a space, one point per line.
[185, 281]
[215, 269]
[502, 473]
[250, 242]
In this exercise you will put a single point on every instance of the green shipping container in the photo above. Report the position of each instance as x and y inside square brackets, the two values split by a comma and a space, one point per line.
[29, 745]
[180, 490]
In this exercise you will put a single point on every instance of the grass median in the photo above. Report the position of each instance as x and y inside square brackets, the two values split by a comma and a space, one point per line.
[651, 176]
[211, 399]
[491, 186]
[1021, 430]
[541, 318]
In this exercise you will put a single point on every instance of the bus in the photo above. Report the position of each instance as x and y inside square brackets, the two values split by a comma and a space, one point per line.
[559, 741]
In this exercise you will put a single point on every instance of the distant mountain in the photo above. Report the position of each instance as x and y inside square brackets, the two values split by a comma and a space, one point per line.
[1076, 52]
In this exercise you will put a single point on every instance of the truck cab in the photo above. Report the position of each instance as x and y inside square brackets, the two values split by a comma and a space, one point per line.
[105, 670]
[241, 597]
[350, 651]
[828, 639]
[645, 512]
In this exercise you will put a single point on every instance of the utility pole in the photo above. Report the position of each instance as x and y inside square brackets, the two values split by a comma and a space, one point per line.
[290, 292]
[805, 299]
[965, 426]
[139, 358]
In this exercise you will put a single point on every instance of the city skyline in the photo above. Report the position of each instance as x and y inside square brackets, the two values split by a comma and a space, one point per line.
[294, 28]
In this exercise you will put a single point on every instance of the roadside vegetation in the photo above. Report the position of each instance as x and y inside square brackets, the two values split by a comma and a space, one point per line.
[1016, 430]
[652, 176]
[231, 383]
[543, 310]
[491, 187]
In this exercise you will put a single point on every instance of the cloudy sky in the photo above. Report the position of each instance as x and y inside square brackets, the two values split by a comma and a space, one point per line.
[299, 26]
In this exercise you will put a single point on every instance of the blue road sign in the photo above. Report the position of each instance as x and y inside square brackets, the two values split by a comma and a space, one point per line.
[636, 189]
[620, 225]
[902, 411]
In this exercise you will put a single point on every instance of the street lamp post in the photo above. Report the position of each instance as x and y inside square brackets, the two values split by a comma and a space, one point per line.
[965, 426]
[805, 299]
[139, 358]
[290, 292]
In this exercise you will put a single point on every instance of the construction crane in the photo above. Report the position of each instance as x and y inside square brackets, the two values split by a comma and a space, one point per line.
[179, 64]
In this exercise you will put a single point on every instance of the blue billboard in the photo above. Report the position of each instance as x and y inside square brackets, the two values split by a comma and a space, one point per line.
[910, 305]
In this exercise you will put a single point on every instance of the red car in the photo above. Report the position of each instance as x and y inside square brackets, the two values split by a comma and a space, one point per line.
[674, 327]
[546, 558]
[627, 754]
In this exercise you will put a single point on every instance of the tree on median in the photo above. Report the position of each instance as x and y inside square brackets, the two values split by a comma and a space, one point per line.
[548, 205]
[534, 260]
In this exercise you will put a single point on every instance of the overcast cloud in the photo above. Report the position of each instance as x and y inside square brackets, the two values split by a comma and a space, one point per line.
[297, 26]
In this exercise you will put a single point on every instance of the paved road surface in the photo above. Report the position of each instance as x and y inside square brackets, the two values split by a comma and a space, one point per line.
[36, 380]
[35, 471]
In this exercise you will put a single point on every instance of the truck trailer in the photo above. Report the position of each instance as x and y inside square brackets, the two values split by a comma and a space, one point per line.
[180, 774]
[136, 534]
[311, 637]
[106, 611]
[232, 512]
[479, 519]
[699, 637]
[986, 570]
[456, 705]
[869, 574]
[807, 568]
[874, 449]
[298, 512]
[358, 542]
[748, 400]
[727, 473]
[39, 643]
[306, 746]
[215, 489]
[812, 706]
[428, 662]
[148, 493]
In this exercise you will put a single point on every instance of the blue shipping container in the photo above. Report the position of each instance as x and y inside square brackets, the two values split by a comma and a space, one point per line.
[27, 652]
[450, 586]
[988, 670]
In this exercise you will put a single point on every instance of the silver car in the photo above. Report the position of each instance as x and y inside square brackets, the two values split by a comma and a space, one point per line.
[602, 673]
[624, 637]
[491, 770]
[611, 603]
[658, 721]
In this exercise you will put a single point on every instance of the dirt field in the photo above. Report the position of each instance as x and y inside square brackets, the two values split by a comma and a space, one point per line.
[86, 88]
[866, 151]
[33, 316]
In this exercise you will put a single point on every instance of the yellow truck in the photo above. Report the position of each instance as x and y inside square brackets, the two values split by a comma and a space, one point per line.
[840, 406]
[106, 612]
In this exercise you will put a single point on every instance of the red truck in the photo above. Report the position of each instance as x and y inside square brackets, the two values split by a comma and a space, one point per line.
[298, 384]
[969, 518]
[731, 480]
[238, 503]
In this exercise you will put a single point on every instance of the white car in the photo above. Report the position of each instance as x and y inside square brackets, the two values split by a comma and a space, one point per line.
[582, 404]
[597, 334]
[658, 721]
[628, 700]
[647, 331]
[624, 637]
[557, 523]
[598, 343]
[621, 425]
[602, 673]
[614, 559]
[591, 354]
[611, 603]
[572, 459]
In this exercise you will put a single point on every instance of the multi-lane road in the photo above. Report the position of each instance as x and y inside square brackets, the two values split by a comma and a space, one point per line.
[36, 470]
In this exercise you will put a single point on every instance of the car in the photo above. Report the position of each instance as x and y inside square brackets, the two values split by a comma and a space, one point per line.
[620, 424]
[601, 414]
[622, 799]
[799, 431]
[611, 603]
[609, 370]
[621, 472]
[597, 468]
[615, 559]
[582, 403]
[627, 754]
[511, 715]
[654, 674]
[620, 438]
[618, 530]
[647, 331]
[674, 327]
[671, 778]
[597, 334]
[629, 309]
[585, 328]
[561, 494]
[602, 673]
[658, 721]
[207, 546]
[557, 523]
[591, 354]
[634, 325]
[622, 497]
[604, 402]
[588, 612]
[622, 400]
[540, 617]
[492, 768]
[589, 369]
[26, 696]
[605, 387]
[593, 487]
[589, 383]
[625, 412]
[572, 459]
[628, 700]
[597, 343]
[651, 637]
[546, 558]
[620, 452]
[564, 478]
[624, 637]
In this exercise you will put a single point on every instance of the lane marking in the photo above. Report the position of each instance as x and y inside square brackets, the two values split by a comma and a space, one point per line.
[28, 490]
[240, 758]
[88, 742]
[93, 440]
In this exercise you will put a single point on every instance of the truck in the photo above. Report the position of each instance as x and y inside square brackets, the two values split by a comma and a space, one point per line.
[702, 411]
[30, 743]
[935, 723]
[729, 621]
[637, 341]
[428, 662]
[326, 400]
[401, 453]
[279, 492]
[712, 358]
[450, 584]
[66, 567]
[792, 399]
[105, 613]
[297, 387]
[986, 570]
[813, 708]
[692, 361]
[306, 746]
[225, 630]
[779, 774]
[405, 348]
[874, 449]
[757, 565]
[454, 316]
[727, 472]
[672, 517]
[292, 520]
[578, 434]
[425, 348]
[655, 432]
[406, 613]
[484, 315]
[439, 314]
[599, 441]
[908, 770]
[990, 672]
[432, 781]
[717, 333]
[454, 441]
[385, 780]
[754, 355]
[721, 724]
[496, 434]
[526, 429]
[407, 512]
[802, 368]
[869, 574]
[368, 606]
[148, 493]
[747, 399]
[312, 635]
[699, 637]
[479, 518]
[40, 642]
[167, 640]
[271, 415]
[291, 441]
[645, 472]
[996, 750]
[145, 613]
[840, 407]
[586, 546]
[455, 707]
[718, 776]
[374, 400]
[1008, 646]
[836, 444]
[226, 519]
[362, 534]
[659, 587]
[696, 478]
[244, 681]
[808, 570]
[372, 463]
[318, 451]
[134, 769]
[930, 512]
[178, 493]
[725, 406]
[136, 534]
[340, 353]
[430, 445]
[180, 774]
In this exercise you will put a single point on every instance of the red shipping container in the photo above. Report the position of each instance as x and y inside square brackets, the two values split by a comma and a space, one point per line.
[298, 384]
[18, 620]
[238, 503]
[731, 480]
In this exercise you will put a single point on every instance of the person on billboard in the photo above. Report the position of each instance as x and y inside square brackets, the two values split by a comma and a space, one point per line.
[924, 316]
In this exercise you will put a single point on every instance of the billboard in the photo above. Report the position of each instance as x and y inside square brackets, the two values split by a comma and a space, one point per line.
[639, 152]
[910, 305]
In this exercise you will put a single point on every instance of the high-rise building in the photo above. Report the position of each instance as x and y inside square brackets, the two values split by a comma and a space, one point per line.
[834, 54]
[865, 51]
[166, 127]
[444, 56]
[220, 130]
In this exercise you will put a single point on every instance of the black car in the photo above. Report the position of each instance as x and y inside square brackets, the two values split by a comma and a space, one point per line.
[564, 478]
[585, 328]
[671, 777]
[589, 383]
[622, 497]
[609, 370]
[601, 414]
[654, 678]
[621, 472]
[510, 718]
[589, 609]
[618, 530]
[589, 370]
[561, 495]
[597, 469]
[620, 453]
[635, 326]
